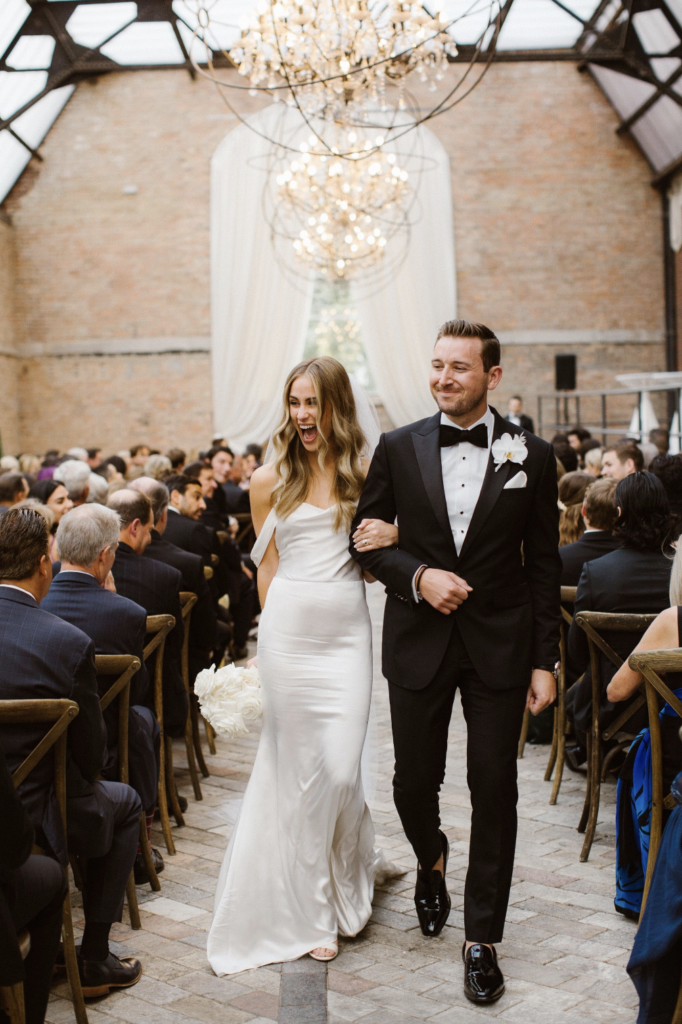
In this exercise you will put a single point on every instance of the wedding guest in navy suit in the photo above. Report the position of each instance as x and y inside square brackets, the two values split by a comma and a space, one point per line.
[599, 513]
[44, 657]
[82, 593]
[156, 587]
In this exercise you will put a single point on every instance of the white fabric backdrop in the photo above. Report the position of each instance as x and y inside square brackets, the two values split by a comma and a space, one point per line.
[400, 323]
[259, 318]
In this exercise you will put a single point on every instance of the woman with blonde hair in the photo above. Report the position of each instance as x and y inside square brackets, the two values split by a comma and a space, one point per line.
[572, 488]
[299, 870]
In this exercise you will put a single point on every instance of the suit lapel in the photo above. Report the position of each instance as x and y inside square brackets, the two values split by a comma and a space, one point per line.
[493, 485]
[427, 449]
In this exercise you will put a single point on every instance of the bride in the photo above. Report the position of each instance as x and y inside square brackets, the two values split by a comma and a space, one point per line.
[300, 867]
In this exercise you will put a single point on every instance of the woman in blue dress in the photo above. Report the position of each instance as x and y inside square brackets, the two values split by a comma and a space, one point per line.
[634, 795]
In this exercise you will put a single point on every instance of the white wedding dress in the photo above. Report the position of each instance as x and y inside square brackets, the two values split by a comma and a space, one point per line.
[300, 867]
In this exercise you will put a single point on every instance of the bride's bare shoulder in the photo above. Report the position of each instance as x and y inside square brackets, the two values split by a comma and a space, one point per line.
[263, 483]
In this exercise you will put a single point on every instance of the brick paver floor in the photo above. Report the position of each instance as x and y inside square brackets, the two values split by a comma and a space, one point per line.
[563, 955]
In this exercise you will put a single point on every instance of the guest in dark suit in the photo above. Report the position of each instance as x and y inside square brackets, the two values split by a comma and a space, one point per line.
[221, 458]
[599, 513]
[634, 578]
[184, 529]
[668, 469]
[32, 890]
[44, 657]
[202, 628]
[156, 588]
[81, 594]
[517, 416]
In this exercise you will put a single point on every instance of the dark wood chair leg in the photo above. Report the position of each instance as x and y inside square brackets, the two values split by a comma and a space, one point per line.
[191, 762]
[194, 717]
[163, 799]
[595, 795]
[145, 846]
[588, 789]
[551, 761]
[72, 963]
[210, 736]
[133, 908]
[171, 788]
[524, 733]
[12, 1002]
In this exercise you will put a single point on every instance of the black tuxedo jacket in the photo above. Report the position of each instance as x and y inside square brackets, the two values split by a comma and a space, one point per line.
[45, 658]
[510, 621]
[202, 624]
[526, 423]
[190, 535]
[237, 499]
[590, 546]
[156, 588]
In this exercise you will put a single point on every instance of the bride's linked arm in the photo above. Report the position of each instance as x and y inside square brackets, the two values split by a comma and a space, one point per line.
[263, 483]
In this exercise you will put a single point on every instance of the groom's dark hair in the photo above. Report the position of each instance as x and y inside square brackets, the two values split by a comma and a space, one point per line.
[490, 346]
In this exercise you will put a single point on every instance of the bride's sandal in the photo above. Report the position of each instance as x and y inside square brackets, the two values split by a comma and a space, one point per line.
[325, 952]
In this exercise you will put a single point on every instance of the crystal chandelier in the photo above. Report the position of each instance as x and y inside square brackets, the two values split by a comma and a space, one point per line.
[339, 215]
[339, 55]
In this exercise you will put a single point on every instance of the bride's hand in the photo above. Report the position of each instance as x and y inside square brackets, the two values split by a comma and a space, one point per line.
[375, 533]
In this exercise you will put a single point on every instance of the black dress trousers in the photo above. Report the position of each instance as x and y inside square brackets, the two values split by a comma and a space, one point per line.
[420, 720]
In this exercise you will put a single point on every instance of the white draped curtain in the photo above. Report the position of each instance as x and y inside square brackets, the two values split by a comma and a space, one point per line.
[260, 314]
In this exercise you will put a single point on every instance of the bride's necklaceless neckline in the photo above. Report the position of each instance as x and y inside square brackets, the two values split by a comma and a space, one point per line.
[319, 507]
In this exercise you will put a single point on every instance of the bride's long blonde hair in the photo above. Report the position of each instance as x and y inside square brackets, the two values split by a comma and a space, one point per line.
[332, 389]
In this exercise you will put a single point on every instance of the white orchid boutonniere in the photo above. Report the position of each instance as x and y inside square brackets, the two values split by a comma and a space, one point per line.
[509, 448]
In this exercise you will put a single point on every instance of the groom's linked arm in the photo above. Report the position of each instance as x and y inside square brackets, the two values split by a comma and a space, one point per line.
[393, 567]
[543, 565]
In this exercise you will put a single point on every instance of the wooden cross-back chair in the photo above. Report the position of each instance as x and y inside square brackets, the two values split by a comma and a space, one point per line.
[245, 532]
[651, 664]
[208, 572]
[567, 596]
[159, 626]
[558, 750]
[61, 713]
[192, 735]
[124, 667]
[597, 765]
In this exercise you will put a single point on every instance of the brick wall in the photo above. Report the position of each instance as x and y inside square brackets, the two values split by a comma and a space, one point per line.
[556, 228]
[9, 392]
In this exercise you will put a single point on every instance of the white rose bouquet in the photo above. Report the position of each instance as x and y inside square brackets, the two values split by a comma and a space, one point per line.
[229, 698]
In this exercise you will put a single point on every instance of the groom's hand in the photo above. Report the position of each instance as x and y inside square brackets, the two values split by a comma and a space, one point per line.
[443, 590]
[541, 692]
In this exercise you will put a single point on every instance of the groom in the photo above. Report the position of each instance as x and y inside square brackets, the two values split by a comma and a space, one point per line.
[472, 604]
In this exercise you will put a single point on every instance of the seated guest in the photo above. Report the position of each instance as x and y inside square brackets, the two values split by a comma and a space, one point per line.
[567, 456]
[32, 891]
[633, 815]
[216, 514]
[577, 436]
[572, 488]
[44, 657]
[75, 475]
[13, 489]
[97, 489]
[139, 454]
[80, 594]
[634, 578]
[221, 459]
[94, 458]
[78, 453]
[661, 438]
[622, 459]
[599, 514]
[232, 577]
[115, 467]
[178, 458]
[668, 469]
[253, 456]
[53, 494]
[156, 588]
[654, 964]
[158, 467]
[202, 628]
[592, 461]
[9, 464]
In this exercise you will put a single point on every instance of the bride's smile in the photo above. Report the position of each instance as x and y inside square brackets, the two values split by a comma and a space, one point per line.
[303, 411]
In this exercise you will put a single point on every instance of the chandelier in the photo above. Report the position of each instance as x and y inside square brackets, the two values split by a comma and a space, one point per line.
[338, 55]
[347, 209]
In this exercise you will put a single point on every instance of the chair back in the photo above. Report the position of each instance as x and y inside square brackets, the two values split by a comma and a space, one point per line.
[567, 597]
[596, 623]
[651, 664]
[187, 601]
[246, 530]
[159, 626]
[208, 572]
[124, 666]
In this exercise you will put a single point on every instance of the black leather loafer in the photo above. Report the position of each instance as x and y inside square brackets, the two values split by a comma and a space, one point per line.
[431, 897]
[98, 978]
[483, 980]
[141, 870]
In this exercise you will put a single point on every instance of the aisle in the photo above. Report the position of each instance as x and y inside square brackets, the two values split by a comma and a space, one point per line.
[564, 951]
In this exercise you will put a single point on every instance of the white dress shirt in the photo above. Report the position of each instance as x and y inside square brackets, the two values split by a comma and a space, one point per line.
[464, 467]
[512, 417]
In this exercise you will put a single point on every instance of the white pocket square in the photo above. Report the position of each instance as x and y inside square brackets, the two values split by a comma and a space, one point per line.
[518, 480]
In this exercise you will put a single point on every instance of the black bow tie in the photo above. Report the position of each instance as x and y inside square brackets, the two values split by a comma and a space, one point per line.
[453, 435]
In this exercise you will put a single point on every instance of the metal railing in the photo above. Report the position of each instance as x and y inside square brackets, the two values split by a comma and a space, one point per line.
[569, 411]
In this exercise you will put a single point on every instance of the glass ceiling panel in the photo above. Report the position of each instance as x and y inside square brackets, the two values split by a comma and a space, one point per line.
[32, 52]
[145, 42]
[91, 24]
[541, 24]
[13, 14]
[32, 126]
